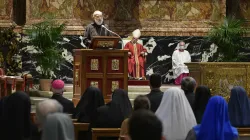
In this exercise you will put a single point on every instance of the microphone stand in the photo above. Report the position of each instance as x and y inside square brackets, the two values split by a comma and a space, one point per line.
[114, 33]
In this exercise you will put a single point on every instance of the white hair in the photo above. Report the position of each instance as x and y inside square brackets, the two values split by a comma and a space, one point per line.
[46, 107]
[182, 42]
[97, 13]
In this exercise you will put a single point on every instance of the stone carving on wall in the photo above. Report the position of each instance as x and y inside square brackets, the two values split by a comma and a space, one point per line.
[77, 13]
[173, 18]
[154, 17]
[6, 10]
[85, 8]
[245, 9]
[126, 10]
[61, 10]
[180, 10]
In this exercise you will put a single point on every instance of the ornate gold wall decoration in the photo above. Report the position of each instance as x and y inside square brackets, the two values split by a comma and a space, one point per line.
[115, 64]
[94, 84]
[221, 77]
[61, 10]
[94, 64]
[154, 17]
[77, 13]
[172, 18]
[6, 13]
[114, 85]
[245, 10]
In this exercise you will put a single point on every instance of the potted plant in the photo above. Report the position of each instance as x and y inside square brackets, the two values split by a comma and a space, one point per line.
[229, 37]
[44, 36]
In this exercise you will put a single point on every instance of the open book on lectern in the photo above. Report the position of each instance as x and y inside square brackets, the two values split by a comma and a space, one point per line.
[104, 42]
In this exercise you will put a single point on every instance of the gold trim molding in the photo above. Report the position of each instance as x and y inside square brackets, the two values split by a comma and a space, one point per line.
[114, 85]
[94, 64]
[115, 64]
[94, 84]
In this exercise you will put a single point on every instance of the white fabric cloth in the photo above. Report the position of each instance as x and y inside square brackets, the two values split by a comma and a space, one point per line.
[176, 114]
[178, 60]
[58, 126]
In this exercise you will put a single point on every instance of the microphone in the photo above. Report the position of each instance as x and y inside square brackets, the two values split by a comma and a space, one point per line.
[114, 33]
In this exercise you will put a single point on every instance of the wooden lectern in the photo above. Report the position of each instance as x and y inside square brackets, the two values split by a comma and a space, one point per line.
[101, 68]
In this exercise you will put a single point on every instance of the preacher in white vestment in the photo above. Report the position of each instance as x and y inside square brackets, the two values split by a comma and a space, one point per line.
[179, 57]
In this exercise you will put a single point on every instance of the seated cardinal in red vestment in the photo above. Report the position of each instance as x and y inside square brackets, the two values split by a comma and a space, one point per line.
[136, 57]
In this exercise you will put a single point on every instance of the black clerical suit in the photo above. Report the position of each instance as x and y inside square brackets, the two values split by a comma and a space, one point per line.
[190, 97]
[95, 30]
[68, 106]
[155, 97]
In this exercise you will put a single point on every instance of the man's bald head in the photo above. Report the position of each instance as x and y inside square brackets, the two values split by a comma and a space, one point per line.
[46, 107]
[98, 17]
[97, 13]
[182, 45]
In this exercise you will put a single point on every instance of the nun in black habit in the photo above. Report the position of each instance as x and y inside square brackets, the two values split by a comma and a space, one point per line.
[112, 114]
[15, 117]
[202, 96]
[91, 99]
[86, 109]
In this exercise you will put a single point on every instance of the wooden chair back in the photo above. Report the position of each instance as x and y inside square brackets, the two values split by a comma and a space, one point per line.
[105, 132]
[33, 117]
[123, 138]
[244, 133]
[243, 130]
[80, 127]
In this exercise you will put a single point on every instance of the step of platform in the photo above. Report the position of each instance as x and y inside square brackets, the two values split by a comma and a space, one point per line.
[68, 87]
[133, 92]
[48, 94]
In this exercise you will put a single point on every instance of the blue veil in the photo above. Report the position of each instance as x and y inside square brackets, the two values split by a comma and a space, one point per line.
[239, 107]
[215, 123]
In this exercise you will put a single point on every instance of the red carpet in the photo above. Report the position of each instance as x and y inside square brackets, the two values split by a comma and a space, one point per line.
[138, 82]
